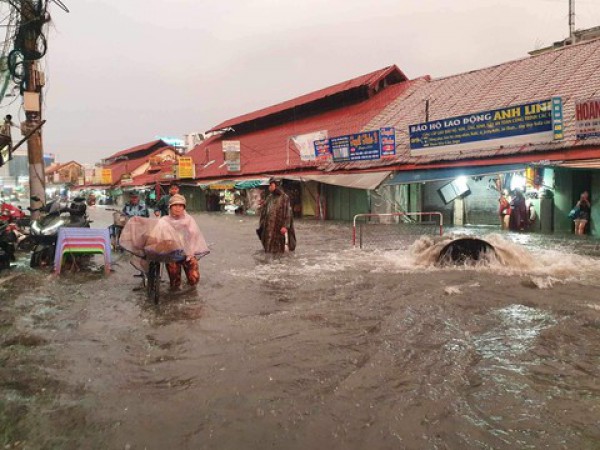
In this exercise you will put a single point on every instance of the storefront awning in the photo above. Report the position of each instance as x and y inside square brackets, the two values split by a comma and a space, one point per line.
[578, 164]
[449, 173]
[248, 183]
[251, 184]
[368, 180]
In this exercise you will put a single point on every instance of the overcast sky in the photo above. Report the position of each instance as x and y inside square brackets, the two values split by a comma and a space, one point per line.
[121, 72]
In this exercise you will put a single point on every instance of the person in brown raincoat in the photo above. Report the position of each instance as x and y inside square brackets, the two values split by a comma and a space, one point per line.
[276, 224]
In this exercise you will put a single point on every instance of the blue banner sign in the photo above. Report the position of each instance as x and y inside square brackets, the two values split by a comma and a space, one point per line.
[388, 141]
[514, 123]
[364, 146]
[322, 149]
[557, 118]
[352, 147]
[340, 148]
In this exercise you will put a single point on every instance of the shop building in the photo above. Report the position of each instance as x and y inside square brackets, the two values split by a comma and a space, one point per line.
[243, 152]
[135, 168]
[59, 178]
[533, 123]
[381, 143]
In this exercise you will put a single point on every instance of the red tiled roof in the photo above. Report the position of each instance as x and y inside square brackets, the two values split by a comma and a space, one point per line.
[267, 150]
[155, 176]
[572, 73]
[57, 166]
[121, 167]
[137, 148]
[369, 80]
[52, 168]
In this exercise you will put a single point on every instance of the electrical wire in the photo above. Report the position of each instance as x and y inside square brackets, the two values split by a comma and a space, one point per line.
[61, 5]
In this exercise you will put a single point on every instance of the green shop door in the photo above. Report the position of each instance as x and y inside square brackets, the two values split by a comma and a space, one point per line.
[344, 203]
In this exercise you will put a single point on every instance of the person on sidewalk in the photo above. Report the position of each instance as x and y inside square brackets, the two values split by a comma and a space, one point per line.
[276, 224]
[583, 217]
[519, 219]
[504, 209]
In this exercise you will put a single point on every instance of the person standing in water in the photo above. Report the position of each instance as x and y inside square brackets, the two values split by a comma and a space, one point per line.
[195, 246]
[276, 221]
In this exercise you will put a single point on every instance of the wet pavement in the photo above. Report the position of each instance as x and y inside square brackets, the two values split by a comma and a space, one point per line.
[331, 347]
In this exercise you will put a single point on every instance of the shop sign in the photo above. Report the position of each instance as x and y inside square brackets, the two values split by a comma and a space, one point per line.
[231, 155]
[520, 124]
[106, 176]
[126, 178]
[587, 118]
[388, 141]
[185, 167]
[304, 144]
[366, 145]
[558, 127]
[356, 147]
[222, 186]
[322, 149]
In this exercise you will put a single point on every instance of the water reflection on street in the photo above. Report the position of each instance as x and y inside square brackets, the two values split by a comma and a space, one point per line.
[331, 347]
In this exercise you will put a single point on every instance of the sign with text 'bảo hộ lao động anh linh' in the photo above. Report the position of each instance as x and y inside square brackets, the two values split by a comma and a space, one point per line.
[528, 123]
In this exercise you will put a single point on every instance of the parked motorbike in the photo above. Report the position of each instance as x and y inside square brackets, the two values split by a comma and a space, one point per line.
[8, 242]
[44, 232]
[18, 223]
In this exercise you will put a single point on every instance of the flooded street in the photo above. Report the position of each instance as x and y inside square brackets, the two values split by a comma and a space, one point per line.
[332, 347]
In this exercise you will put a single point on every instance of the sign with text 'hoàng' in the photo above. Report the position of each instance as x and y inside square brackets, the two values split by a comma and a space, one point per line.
[587, 118]
[521, 124]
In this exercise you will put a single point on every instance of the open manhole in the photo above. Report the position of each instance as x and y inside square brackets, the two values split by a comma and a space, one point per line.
[465, 250]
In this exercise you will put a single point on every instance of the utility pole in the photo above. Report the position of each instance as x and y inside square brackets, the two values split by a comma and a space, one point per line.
[32, 100]
[572, 20]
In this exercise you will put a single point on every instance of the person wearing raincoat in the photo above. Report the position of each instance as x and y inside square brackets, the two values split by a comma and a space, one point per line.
[189, 233]
[175, 240]
[276, 224]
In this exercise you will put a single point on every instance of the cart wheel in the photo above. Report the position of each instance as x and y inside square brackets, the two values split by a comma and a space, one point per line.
[153, 282]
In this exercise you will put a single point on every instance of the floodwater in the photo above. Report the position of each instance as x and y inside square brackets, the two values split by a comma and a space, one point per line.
[332, 347]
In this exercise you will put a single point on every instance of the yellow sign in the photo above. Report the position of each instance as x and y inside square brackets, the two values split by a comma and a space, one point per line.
[106, 177]
[126, 178]
[185, 167]
[222, 185]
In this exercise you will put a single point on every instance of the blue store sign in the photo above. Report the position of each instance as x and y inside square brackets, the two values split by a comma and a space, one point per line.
[366, 145]
[522, 123]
